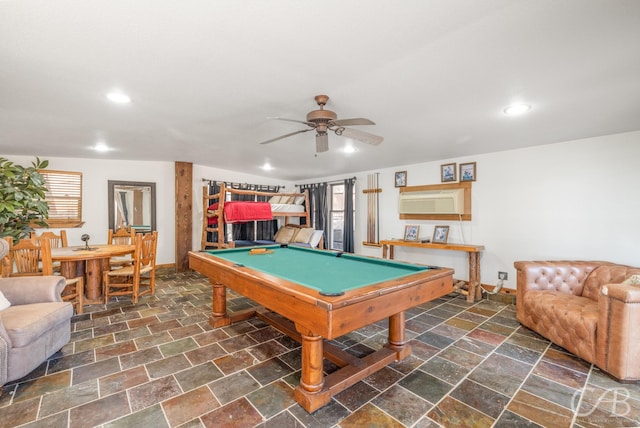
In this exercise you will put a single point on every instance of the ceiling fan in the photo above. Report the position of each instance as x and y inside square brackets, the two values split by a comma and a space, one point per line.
[325, 120]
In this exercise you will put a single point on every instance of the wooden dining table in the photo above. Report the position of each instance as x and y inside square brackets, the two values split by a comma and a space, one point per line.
[89, 264]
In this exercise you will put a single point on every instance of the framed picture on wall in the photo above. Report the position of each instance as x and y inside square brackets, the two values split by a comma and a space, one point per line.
[440, 234]
[401, 178]
[448, 172]
[411, 233]
[468, 171]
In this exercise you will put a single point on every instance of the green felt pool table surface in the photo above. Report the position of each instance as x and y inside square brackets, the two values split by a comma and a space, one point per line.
[331, 273]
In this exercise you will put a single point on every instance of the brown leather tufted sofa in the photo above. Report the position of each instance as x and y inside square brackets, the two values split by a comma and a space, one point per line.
[583, 307]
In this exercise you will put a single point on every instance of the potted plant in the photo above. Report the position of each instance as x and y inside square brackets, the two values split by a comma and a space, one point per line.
[22, 198]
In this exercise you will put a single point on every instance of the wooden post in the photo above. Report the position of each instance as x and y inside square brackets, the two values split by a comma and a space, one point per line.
[184, 215]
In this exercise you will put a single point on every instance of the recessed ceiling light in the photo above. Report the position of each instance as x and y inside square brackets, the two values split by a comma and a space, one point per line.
[516, 109]
[349, 149]
[267, 166]
[118, 97]
[101, 147]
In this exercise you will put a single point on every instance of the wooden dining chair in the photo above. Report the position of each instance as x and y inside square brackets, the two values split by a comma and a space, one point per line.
[121, 236]
[55, 241]
[23, 258]
[139, 278]
[27, 258]
[74, 289]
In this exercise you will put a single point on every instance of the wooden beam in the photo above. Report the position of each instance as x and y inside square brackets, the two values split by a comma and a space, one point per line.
[184, 216]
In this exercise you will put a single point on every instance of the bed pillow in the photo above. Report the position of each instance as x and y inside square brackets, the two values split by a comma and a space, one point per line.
[304, 235]
[275, 199]
[285, 235]
[315, 238]
[4, 303]
[298, 200]
[287, 199]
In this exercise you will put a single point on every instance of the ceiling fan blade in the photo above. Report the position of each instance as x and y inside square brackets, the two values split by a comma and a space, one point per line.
[313, 125]
[365, 137]
[285, 136]
[351, 122]
[322, 142]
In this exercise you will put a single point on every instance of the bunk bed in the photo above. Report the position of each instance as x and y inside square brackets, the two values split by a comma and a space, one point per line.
[219, 210]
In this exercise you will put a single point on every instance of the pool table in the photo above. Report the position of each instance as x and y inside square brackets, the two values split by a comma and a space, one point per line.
[312, 295]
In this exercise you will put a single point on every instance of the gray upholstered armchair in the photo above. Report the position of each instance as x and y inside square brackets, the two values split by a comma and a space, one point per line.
[35, 325]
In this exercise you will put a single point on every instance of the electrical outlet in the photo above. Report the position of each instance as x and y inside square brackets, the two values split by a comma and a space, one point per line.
[502, 275]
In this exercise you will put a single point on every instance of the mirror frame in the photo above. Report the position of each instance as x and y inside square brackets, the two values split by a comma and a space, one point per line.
[112, 184]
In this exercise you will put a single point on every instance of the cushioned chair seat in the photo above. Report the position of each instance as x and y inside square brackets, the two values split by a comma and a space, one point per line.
[25, 323]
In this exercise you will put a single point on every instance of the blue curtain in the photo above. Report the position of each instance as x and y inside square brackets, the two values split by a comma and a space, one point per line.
[348, 244]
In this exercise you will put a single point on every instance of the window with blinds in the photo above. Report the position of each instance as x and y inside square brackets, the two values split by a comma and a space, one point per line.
[64, 196]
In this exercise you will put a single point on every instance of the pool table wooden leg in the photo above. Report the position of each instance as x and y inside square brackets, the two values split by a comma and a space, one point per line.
[310, 393]
[219, 316]
[397, 339]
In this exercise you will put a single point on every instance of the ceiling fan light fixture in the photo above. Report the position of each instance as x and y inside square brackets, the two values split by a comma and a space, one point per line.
[517, 109]
[323, 121]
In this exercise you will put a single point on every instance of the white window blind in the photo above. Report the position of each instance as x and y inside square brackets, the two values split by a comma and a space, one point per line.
[64, 196]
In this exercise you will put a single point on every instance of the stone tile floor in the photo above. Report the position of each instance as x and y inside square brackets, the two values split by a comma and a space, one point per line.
[159, 364]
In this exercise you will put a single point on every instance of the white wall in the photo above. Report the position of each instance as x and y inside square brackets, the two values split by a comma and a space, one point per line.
[95, 212]
[571, 200]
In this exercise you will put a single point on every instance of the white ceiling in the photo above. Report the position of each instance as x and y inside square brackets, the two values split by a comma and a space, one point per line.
[206, 75]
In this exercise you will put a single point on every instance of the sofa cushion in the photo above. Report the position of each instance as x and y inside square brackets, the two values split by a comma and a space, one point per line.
[25, 323]
[567, 320]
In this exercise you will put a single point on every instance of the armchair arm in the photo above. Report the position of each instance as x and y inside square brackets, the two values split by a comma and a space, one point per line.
[618, 339]
[32, 289]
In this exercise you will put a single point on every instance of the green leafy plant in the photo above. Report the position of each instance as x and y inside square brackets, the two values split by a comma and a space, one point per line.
[22, 198]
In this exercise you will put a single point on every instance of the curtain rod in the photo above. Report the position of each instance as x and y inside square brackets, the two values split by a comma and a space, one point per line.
[328, 182]
[230, 183]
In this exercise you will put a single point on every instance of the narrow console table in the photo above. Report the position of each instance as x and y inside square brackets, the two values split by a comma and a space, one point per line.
[472, 250]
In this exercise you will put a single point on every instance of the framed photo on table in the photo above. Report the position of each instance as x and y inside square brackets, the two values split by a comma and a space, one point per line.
[401, 178]
[440, 234]
[468, 171]
[411, 233]
[448, 172]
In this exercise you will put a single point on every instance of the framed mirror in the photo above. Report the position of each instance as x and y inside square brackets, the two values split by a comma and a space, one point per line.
[132, 204]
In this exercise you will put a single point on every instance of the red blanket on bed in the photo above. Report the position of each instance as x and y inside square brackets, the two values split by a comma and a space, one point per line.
[213, 221]
[242, 212]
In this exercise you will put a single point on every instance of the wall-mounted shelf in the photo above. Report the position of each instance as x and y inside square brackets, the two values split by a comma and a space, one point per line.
[466, 215]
